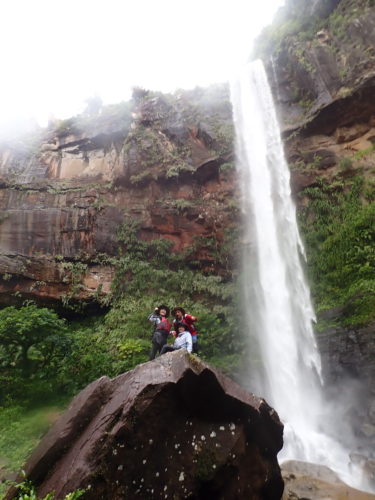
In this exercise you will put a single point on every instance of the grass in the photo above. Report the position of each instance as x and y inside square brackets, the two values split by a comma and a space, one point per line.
[20, 431]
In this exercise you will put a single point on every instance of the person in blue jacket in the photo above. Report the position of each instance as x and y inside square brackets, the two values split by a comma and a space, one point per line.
[183, 340]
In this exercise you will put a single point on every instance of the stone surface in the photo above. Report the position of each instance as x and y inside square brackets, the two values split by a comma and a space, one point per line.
[304, 481]
[171, 428]
[323, 72]
[349, 370]
[65, 193]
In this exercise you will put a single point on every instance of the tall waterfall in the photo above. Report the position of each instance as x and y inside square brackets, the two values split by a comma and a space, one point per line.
[286, 363]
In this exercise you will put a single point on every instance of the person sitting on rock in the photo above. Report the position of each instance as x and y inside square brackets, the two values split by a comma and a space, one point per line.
[183, 340]
[188, 320]
[162, 328]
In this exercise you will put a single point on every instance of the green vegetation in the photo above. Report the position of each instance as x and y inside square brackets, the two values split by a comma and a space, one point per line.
[21, 429]
[31, 339]
[26, 491]
[112, 116]
[339, 228]
[43, 356]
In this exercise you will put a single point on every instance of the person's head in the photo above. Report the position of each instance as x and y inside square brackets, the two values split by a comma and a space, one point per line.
[180, 327]
[178, 312]
[163, 310]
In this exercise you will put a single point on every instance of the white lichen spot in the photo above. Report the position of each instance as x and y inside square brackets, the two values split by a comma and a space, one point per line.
[151, 441]
[177, 445]
[232, 433]
[232, 426]
[203, 438]
[120, 467]
[181, 477]
[165, 470]
[144, 461]
[234, 456]
[89, 487]
[142, 480]
[179, 452]
[214, 466]
[165, 488]
[222, 428]
[213, 434]
[152, 491]
[114, 451]
[157, 474]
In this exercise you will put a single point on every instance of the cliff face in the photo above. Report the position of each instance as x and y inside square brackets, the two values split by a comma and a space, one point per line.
[160, 160]
[320, 59]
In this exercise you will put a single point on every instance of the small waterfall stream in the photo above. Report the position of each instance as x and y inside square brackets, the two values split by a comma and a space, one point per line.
[276, 295]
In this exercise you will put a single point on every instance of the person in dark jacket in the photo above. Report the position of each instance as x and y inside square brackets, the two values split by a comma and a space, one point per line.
[188, 320]
[162, 328]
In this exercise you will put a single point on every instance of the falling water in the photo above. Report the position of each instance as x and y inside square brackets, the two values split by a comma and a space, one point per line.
[278, 306]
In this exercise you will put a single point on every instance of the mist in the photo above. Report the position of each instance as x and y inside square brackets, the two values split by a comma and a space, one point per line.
[55, 56]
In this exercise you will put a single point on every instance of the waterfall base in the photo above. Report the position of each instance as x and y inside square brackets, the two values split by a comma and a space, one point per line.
[305, 480]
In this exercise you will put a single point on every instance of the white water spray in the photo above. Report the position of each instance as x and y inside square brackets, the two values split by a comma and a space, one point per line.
[278, 305]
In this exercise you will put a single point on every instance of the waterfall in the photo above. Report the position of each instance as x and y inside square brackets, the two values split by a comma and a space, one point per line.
[279, 314]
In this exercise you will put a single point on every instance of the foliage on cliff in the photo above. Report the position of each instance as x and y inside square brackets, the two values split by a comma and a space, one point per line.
[339, 228]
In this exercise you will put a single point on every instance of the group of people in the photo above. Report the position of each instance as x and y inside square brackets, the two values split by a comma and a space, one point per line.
[182, 328]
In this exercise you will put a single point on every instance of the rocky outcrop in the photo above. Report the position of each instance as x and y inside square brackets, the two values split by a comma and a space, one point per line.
[349, 371]
[65, 193]
[304, 480]
[171, 428]
[320, 60]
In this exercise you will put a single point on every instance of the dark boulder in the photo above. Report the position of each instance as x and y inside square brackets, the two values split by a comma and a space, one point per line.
[170, 428]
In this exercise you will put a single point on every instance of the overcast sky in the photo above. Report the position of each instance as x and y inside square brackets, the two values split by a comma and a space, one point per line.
[55, 54]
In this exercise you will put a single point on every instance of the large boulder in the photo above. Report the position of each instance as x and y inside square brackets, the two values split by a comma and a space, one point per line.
[170, 428]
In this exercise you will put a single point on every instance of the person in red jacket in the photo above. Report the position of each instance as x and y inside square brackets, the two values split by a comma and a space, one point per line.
[162, 328]
[188, 320]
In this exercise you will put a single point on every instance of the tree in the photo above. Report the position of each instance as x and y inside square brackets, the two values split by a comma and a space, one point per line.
[31, 338]
[94, 105]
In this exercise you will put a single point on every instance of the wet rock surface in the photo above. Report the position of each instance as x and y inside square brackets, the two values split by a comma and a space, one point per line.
[349, 370]
[171, 428]
[305, 481]
[65, 193]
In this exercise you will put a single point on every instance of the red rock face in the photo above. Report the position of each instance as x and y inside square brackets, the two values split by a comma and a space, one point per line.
[65, 201]
[171, 428]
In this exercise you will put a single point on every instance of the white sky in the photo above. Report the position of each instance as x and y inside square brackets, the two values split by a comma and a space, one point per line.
[55, 54]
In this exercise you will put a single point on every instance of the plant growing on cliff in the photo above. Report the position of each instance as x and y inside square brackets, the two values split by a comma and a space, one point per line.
[339, 229]
[147, 271]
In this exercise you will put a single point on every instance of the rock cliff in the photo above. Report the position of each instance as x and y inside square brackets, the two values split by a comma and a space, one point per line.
[320, 59]
[171, 428]
[163, 161]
